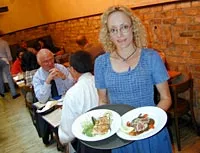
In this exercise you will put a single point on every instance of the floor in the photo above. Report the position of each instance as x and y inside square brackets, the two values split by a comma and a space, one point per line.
[18, 135]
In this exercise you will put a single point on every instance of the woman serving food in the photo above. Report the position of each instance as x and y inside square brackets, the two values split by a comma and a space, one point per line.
[127, 73]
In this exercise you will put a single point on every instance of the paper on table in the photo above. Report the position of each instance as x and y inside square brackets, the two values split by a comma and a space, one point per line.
[20, 83]
[48, 105]
[38, 105]
[19, 76]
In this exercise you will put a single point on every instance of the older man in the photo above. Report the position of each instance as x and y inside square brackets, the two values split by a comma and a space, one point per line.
[51, 80]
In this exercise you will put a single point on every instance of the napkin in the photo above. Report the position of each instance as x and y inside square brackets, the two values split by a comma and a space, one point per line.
[48, 105]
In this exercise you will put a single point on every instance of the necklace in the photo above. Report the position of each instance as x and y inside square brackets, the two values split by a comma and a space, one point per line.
[125, 59]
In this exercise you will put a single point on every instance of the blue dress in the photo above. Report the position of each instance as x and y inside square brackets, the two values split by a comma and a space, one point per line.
[136, 88]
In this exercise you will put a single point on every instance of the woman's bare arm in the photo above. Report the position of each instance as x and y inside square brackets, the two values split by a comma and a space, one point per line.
[103, 99]
[165, 96]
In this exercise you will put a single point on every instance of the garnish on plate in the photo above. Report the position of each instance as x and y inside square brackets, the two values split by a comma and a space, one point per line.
[97, 126]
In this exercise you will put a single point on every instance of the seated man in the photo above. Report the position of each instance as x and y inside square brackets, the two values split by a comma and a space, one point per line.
[51, 80]
[78, 99]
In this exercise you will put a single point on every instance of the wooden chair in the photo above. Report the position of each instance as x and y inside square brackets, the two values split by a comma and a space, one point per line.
[28, 92]
[181, 106]
[41, 125]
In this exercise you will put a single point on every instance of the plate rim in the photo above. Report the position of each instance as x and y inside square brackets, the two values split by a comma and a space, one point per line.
[99, 138]
[164, 119]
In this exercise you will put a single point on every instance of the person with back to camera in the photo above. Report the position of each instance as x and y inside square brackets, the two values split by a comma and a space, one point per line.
[128, 72]
[80, 98]
[5, 64]
[48, 75]
[94, 49]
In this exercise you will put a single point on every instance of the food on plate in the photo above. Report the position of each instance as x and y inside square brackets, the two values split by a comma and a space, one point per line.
[97, 126]
[126, 129]
[138, 125]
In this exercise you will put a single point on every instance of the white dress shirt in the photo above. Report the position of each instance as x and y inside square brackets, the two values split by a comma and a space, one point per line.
[5, 52]
[80, 98]
[43, 90]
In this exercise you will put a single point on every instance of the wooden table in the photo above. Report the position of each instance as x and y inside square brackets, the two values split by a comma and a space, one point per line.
[173, 74]
[53, 119]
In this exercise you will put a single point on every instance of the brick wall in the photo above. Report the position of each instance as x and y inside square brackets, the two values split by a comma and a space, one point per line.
[175, 29]
[172, 28]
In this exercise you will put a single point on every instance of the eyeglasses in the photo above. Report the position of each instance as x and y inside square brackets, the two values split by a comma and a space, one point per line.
[122, 29]
[48, 61]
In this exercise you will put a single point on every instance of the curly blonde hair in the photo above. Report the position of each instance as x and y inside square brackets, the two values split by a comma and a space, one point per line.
[138, 29]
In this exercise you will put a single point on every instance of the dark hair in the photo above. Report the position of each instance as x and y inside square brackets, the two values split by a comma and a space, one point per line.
[18, 52]
[29, 62]
[81, 61]
[37, 46]
[81, 40]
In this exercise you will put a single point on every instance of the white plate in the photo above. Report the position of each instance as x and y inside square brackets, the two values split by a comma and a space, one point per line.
[77, 125]
[159, 116]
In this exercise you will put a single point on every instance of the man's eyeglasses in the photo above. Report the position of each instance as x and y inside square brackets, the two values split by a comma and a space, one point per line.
[48, 61]
[122, 29]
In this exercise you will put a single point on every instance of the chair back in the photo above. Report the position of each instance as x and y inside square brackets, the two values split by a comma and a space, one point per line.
[182, 85]
[182, 104]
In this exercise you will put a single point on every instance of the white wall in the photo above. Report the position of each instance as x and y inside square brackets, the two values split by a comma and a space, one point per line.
[22, 14]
